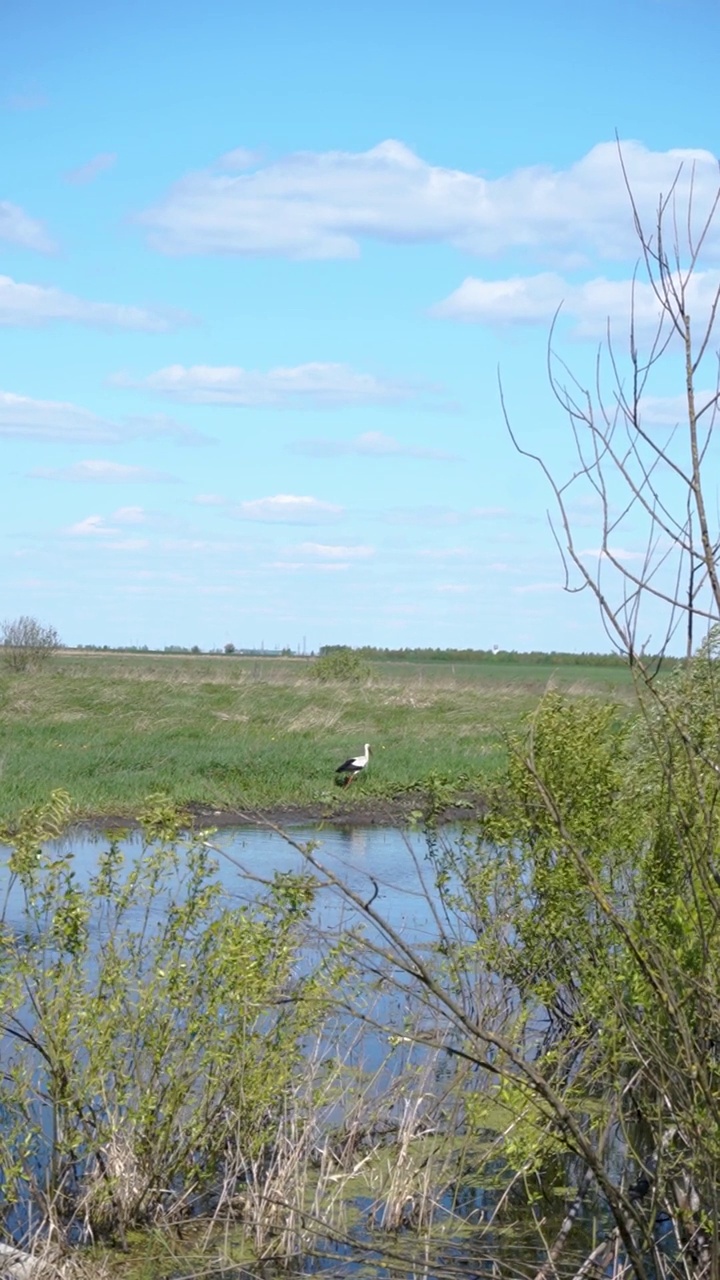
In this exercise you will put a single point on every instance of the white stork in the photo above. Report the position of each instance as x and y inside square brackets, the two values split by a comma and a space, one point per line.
[350, 769]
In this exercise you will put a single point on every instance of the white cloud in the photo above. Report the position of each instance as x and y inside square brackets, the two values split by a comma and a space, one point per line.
[209, 500]
[91, 526]
[329, 551]
[33, 304]
[371, 444]
[286, 508]
[519, 300]
[238, 159]
[669, 411]
[613, 553]
[129, 515]
[316, 385]
[17, 227]
[50, 420]
[591, 304]
[102, 471]
[322, 204]
[30, 419]
[91, 169]
[200, 544]
[299, 566]
[96, 526]
[160, 424]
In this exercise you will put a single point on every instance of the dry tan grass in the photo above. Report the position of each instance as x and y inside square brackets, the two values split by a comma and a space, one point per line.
[405, 697]
[113, 1188]
[584, 689]
[312, 718]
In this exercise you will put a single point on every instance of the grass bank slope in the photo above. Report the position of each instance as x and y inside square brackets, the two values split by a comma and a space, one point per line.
[233, 733]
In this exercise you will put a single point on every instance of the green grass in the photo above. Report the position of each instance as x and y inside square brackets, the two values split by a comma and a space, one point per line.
[258, 733]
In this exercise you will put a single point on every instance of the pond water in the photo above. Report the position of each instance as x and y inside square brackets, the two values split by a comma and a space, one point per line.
[388, 860]
[392, 867]
[393, 861]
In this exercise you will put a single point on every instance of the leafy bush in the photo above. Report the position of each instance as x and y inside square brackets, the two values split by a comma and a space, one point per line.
[151, 1030]
[340, 663]
[597, 898]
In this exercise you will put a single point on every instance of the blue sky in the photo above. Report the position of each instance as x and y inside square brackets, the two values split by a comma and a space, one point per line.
[259, 265]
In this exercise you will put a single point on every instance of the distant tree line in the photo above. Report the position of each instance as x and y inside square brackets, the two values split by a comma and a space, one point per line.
[531, 657]
[369, 653]
[230, 650]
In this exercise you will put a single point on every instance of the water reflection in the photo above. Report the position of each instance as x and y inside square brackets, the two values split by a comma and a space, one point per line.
[362, 857]
[248, 857]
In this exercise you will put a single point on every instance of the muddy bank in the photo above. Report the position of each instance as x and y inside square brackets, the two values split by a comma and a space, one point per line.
[367, 813]
[399, 811]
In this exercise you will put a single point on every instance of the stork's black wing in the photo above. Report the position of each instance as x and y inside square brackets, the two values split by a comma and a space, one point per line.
[348, 766]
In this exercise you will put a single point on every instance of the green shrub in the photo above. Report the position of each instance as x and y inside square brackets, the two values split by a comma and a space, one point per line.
[340, 663]
[152, 1028]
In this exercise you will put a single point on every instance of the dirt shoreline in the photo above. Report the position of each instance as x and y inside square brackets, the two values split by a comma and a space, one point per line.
[395, 812]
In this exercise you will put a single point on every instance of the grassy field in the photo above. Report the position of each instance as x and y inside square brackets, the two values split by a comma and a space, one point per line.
[259, 733]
